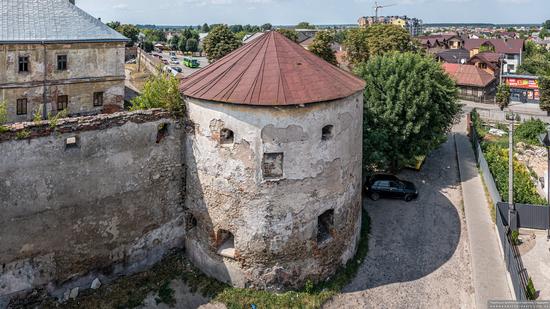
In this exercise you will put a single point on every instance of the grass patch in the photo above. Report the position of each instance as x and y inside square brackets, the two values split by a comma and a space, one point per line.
[131, 291]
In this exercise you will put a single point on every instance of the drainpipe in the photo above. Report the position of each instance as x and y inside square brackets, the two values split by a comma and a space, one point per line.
[44, 94]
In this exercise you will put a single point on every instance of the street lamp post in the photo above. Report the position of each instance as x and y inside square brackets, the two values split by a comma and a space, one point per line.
[545, 140]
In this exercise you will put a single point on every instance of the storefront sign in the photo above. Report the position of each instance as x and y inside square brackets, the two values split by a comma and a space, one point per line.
[522, 83]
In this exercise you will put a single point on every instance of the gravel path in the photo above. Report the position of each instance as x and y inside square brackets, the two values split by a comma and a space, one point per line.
[418, 252]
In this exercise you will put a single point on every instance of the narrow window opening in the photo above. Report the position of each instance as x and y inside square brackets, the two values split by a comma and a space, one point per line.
[272, 165]
[325, 225]
[162, 131]
[327, 132]
[98, 98]
[62, 102]
[227, 137]
[190, 222]
[21, 106]
[62, 62]
[24, 64]
[225, 243]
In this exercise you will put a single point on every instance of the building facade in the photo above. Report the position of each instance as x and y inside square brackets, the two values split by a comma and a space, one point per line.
[523, 88]
[511, 49]
[273, 166]
[415, 26]
[55, 57]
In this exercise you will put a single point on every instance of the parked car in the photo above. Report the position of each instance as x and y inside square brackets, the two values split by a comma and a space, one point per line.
[389, 186]
[164, 61]
[178, 69]
[174, 62]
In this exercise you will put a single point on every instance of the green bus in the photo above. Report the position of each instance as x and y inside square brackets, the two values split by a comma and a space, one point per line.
[191, 63]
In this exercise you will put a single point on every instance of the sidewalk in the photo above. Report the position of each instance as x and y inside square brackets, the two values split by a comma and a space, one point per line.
[489, 272]
[493, 112]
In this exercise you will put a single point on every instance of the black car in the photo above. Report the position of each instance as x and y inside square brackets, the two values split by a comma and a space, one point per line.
[389, 186]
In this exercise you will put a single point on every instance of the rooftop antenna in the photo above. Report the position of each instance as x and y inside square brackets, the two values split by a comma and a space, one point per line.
[378, 6]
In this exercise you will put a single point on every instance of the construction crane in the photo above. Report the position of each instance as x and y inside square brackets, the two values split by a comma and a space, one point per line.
[377, 7]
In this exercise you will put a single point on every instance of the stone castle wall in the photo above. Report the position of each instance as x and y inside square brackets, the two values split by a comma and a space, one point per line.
[101, 194]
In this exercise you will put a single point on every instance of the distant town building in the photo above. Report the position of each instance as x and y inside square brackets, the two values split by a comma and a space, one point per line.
[437, 43]
[458, 56]
[413, 25]
[489, 62]
[55, 57]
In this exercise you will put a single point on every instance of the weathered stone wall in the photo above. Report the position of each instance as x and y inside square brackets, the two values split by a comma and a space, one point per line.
[91, 67]
[274, 221]
[112, 203]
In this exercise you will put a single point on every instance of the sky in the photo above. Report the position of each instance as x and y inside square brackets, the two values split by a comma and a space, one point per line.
[290, 12]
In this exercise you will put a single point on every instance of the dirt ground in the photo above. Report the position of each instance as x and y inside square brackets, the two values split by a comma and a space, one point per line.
[418, 252]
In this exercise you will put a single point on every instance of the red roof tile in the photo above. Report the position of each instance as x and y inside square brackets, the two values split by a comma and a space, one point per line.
[514, 46]
[468, 75]
[271, 70]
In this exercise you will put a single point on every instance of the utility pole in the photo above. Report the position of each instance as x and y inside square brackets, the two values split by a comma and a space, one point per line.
[512, 222]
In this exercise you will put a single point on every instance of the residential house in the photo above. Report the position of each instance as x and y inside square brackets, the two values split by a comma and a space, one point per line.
[55, 57]
[460, 56]
[474, 84]
[440, 42]
[511, 49]
[488, 61]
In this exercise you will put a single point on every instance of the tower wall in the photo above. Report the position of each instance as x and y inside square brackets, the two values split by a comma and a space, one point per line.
[286, 189]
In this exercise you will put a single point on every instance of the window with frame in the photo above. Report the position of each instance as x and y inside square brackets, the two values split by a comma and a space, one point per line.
[62, 62]
[62, 102]
[22, 106]
[98, 98]
[23, 63]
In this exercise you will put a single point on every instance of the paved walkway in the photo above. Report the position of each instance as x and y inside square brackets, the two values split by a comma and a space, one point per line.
[489, 271]
[493, 112]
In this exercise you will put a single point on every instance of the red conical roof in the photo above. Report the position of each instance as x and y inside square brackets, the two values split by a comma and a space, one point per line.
[271, 70]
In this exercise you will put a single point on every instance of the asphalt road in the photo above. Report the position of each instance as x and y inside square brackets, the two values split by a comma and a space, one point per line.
[186, 71]
[418, 252]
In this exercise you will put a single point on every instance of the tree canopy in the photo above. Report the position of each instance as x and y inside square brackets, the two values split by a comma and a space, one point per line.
[305, 25]
[267, 27]
[503, 95]
[321, 46]
[536, 60]
[410, 104]
[127, 30]
[364, 43]
[546, 24]
[192, 45]
[205, 28]
[290, 34]
[220, 42]
[544, 86]
[160, 91]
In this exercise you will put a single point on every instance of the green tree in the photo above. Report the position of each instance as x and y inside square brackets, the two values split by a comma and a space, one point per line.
[160, 91]
[544, 86]
[220, 42]
[543, 33]
[503, 96]
[267, 27]
[129, 31]
[174, 42]
[321, 46]
[410, 104]
[182, 45]
[305, 25]
[148, 46]
[192, 45]
[3, 112]
[546, 24]
[290, 34]
[205, 28]
[487, 48]
[236, 28]
[363, 43]
[113, 24]
[154, 35]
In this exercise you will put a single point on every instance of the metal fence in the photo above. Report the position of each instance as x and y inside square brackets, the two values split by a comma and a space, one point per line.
[514, 264]
[477, 98]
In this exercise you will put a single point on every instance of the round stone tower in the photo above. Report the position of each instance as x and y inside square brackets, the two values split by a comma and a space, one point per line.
[273, 189]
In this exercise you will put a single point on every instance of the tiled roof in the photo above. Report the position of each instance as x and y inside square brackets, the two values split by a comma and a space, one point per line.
[468, 75]
[31, 21]
[513, 46]
[454, 55]
[271, 70]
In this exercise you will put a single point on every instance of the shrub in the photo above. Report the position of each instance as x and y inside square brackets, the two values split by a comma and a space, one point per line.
[529, 131]
[515, 238]
[530, 290]
[160, 91]
[525, 191]
[3, 112]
